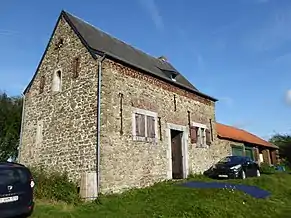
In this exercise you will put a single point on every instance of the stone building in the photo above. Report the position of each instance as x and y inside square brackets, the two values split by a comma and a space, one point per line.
[243, 143]
[96, 104]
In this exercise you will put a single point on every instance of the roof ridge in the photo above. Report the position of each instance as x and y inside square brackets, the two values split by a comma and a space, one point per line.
[114, 38]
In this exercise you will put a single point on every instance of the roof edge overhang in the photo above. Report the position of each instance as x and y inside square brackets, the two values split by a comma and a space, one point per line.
[121, 60]
[243, 141]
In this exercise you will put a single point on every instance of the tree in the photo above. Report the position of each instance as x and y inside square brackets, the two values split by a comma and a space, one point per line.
[283, 141]
[10, 123]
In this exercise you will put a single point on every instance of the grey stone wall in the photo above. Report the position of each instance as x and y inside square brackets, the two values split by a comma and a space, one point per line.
[67, 119]
[227, 145]
[127, 163]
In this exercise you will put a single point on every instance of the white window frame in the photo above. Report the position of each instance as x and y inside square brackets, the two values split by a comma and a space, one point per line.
[146, 113]
[57, 87]
[201, 141]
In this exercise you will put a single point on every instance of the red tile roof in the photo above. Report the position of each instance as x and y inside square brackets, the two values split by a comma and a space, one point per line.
[233, 133]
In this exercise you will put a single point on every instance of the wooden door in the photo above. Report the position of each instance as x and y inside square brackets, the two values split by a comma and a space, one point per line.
[177, 157]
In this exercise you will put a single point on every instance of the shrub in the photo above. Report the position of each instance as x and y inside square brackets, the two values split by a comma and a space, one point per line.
[267, 169]
[54, 186]
[284, 163]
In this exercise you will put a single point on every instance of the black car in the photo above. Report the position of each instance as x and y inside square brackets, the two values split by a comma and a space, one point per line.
[234, 167]
[16, 190]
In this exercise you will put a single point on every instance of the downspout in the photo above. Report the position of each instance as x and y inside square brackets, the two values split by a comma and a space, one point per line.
[21, 128]
[100, 60]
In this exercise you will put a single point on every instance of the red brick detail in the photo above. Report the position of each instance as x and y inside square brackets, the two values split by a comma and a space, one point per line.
[177, 120]
[144, 104]
[154, 81]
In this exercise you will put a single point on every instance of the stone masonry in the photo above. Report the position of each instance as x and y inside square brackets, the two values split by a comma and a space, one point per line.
[68, 120]
[127, 163]
[68, 117]
[227, 144]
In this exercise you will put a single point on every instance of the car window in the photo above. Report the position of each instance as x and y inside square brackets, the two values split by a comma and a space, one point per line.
[13, 176]
[225, 160]
[231, 159]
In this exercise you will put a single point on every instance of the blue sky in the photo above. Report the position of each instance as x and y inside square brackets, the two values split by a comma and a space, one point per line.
[238, 51]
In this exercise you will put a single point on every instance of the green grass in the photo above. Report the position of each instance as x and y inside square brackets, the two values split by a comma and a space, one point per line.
[168, 200]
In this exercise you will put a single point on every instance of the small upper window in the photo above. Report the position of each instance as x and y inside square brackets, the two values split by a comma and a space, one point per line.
[41, 84]
[173, 77]
[59, 44]
[57, 81]
[76, 67]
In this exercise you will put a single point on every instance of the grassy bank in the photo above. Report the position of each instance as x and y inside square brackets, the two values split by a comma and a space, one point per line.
[168, 200]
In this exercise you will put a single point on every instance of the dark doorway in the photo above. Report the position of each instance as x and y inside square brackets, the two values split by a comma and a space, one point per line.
[177, 157]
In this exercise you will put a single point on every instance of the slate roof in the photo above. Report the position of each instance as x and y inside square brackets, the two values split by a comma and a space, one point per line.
[236, 134]
[99, 42]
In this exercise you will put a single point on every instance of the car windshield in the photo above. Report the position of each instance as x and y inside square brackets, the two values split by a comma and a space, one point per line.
[13, 176]
[232, 159]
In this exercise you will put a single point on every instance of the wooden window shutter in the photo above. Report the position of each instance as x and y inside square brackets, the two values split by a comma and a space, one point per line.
[42, 84]
[150, 127]
[274, 157]
[193, 134]
[208, 137]
[76, 66]
[140, 125]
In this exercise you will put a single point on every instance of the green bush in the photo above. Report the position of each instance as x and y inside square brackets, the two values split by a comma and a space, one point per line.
[54, 186]
[267, 169]
[286, 165]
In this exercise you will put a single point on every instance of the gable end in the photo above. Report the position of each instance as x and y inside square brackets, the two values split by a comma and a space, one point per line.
[62, 15]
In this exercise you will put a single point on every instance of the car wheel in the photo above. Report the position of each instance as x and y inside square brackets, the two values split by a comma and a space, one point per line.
[243, 174]
[258, 173]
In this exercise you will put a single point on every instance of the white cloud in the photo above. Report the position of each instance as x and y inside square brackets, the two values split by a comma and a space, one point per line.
[288, 97]
[153, 10]
[7, 32]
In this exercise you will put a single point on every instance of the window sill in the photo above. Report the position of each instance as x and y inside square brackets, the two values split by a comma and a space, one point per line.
[144, 139]
[202, 146]
[54, 93]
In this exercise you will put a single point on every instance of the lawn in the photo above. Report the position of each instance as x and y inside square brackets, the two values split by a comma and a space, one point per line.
[168, 200]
